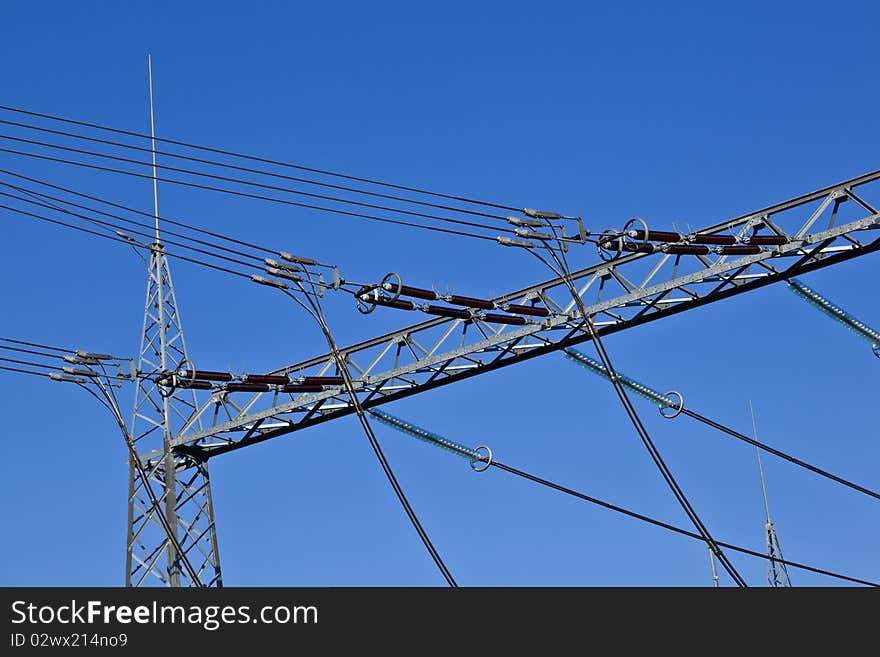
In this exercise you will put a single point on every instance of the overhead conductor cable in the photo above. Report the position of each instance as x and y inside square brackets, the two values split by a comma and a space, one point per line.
[259, 159]
[313, 307]
[565, 273]
[486, 460]
[676, 405]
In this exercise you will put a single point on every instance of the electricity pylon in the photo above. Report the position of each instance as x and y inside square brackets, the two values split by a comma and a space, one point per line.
[644, 282]
[777, 573]
[159, 412]
[806, 233]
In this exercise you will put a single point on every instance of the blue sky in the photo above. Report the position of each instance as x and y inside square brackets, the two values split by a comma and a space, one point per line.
[682, 112]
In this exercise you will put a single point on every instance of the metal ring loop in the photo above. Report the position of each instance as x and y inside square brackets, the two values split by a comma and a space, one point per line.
[174, 377]
[677, 410]
[165, 391]
[600, 244]
[644, 225]
[190, 367]
[485, 462]
[363, 306]
[399, 284]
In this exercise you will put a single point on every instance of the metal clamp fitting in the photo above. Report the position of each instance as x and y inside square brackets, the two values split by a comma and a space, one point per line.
[166, 390]
[399, 284]
[644, 223]
[606, 238]
[677, 411]
[362, 302]
[482, 463]
[365, 305]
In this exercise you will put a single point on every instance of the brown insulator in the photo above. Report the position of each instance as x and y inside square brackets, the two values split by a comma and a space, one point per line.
[639, 248]
[400, 304]
[207, 375]
[713, 239]
[417, 292]
[495, 318]
[323, 380]
[443, 311]
[534, 311]
[739, 250]
[247, 387]
[470, 302]
[271, 379]
[655, 235]
[302, 387]
[774, 240]
[687, 249]
[194, 385]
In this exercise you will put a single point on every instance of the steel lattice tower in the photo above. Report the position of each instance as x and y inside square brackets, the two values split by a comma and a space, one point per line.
[182, 482]
[160, 412]
[777, 572]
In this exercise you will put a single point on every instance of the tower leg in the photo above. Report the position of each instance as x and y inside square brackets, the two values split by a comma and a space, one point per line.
[150, 557]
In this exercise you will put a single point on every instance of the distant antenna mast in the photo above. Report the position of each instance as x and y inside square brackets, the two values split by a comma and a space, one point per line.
[777, 573]
[153, 149]
[714, 569]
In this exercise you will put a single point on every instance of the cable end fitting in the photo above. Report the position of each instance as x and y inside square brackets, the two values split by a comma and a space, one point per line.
[532, 234]
[525, 223]
[65, 377]
[284, 273]
[541, 214]
[295, 258]
[510, 241]
[262, 280]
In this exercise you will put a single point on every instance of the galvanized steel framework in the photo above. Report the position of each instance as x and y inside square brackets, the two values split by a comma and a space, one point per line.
[184, 484]
[823, 228]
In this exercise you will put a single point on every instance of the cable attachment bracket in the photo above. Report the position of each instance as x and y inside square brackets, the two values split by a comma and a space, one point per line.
[168, 382]
[481, 462]
[604, 244]
[676, 410]
[365, 305]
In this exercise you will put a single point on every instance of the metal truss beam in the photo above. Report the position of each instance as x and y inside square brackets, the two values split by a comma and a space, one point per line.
[822, 228]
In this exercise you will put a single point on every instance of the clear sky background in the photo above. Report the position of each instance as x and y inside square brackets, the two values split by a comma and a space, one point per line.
[677, 112]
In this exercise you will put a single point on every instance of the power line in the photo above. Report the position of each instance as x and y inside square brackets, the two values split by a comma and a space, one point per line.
[46, 346]
[565, 273]
[25, 362]
[21, 371]
[664, 401]
[110, 224]
[631, 412]
[165, 231]
[249, 195]
[66, 370]
[36, 344]
[124, 241]
[474, 456]
[252, 170]
[787, 457]
[31, 351]
[263, 160]
[317, 312]
[669, 527]
[343, 285]
[46, 204]
[275, 188]
[164, 219]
